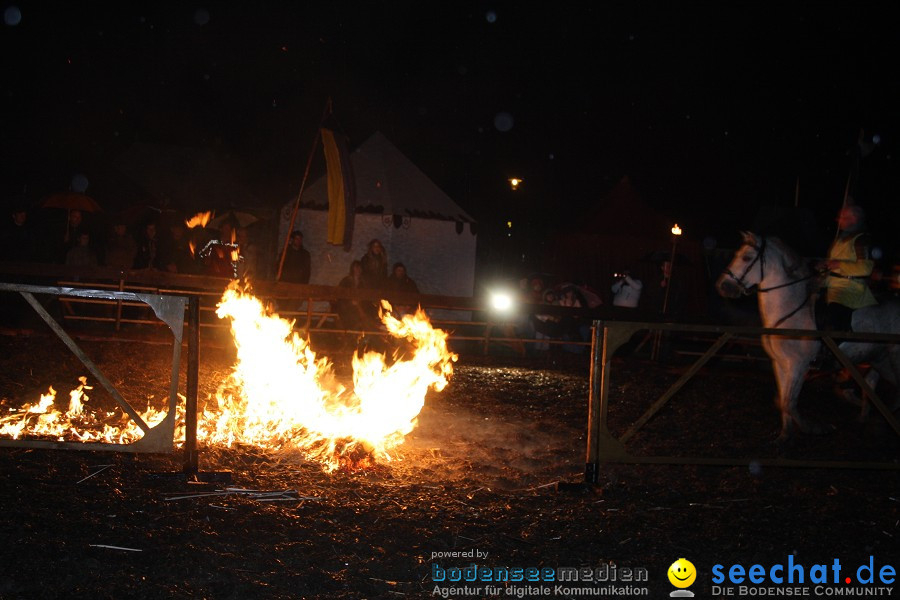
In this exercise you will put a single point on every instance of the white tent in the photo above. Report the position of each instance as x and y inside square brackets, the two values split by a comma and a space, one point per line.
[417, 223]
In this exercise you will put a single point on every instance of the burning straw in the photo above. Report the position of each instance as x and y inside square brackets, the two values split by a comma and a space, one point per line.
[280, 395]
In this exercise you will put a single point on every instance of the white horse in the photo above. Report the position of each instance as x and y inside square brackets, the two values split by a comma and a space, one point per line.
[786, 288]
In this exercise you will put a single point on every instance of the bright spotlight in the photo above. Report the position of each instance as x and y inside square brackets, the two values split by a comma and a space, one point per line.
[501, 301]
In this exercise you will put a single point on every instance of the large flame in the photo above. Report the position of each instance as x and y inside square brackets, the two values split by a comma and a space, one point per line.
[280, 394]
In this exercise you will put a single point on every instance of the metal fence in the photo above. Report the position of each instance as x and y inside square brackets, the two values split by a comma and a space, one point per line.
[604, 448]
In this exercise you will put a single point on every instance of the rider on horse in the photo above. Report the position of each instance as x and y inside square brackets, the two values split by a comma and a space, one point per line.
[849, 266]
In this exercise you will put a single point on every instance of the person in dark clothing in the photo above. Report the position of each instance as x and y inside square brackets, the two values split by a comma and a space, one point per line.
[75, 226]
[148, 253]
[400, 281]
[297, 263]
[355, 314]
[180, 258]
[374, 265]
[120, 247]
[82, 255]
[17, 240]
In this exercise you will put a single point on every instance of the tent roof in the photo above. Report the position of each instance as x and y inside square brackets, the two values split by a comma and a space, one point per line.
[388, 182]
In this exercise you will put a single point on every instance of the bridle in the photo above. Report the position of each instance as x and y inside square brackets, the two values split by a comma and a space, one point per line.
[761, 259]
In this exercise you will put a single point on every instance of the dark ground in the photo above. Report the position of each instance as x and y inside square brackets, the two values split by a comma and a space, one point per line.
[479, 473]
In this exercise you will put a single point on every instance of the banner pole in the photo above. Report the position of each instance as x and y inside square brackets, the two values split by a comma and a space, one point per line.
[312, 152]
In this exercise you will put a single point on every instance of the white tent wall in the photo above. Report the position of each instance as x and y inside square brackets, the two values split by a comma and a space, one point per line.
[388, 186]
[440, 260]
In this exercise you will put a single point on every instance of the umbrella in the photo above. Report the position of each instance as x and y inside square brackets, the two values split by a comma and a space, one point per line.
[235, 218]
[71, 201]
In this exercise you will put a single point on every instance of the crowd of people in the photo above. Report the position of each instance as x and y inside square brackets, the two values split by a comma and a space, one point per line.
[173, 247]
[662, 297]
[370, 272]
[148, 245]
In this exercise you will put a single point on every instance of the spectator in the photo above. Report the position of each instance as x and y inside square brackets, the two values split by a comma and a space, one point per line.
[180, 258]
[399, 281]
[626, 290]
[546, 327]
[573, 328]
[17, 241]
[355, 314]
[296, 268]
[81, 255]
[121, 248]
[536, 292]
[75, 226]
[148, 252]
[374, 265]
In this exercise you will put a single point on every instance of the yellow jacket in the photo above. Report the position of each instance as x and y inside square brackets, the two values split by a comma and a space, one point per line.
[847, 283]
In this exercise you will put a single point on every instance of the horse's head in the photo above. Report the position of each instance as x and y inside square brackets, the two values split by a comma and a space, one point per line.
[740, 275]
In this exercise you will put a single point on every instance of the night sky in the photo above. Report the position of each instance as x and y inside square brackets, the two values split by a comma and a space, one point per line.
[712, 111]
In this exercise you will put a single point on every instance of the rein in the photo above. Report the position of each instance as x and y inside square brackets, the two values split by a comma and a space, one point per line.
[760, 257]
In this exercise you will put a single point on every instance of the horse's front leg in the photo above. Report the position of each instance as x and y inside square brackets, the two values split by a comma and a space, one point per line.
[790, 371]
[783, 401]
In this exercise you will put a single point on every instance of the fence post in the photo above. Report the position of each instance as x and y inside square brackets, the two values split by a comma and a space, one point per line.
[596, 401]
[119, 305]
[191, 457]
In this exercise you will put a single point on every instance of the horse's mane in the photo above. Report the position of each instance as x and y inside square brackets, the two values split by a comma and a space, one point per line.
[795, 266]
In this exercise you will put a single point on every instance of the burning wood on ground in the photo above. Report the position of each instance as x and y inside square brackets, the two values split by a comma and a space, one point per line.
[281, 395]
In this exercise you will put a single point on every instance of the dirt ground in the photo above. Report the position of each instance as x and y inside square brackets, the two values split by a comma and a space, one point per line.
[479, 475]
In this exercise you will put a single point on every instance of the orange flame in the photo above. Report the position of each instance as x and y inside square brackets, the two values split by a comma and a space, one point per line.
[235, 254]
[281, 395]
[199, 220]
[44, 420]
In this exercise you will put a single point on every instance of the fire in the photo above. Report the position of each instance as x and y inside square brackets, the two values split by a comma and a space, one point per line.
[199, 220]
[280, 394]
[45, 420]
[235, 254]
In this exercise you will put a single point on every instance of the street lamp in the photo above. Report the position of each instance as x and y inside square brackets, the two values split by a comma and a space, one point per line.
[515, 182]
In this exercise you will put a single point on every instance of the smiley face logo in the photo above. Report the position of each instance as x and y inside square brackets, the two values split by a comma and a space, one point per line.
[682, 573]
